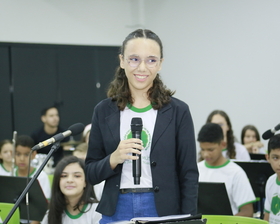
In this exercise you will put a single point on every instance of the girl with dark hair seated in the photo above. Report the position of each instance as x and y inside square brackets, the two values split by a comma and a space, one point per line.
[250, 138]
[233, 150]
[72, 199]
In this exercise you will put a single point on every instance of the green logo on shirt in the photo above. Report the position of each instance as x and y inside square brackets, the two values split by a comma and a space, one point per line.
[275, 205]
[144, 138]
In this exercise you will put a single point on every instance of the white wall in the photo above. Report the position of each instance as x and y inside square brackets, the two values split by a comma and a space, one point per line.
[222, 55]
[219, 54]
[85, 22]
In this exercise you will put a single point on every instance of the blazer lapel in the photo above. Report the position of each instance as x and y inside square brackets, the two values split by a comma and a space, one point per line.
[164, 118]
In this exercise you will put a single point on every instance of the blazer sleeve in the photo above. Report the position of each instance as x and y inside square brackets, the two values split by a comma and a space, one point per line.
[101, 145]
[187, 163]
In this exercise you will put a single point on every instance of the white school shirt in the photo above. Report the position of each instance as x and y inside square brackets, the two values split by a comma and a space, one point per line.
[98, 189]
[272, 199]
[89, 217]
[3, 171]
[236, 181]
[148, 116]
[242, 153]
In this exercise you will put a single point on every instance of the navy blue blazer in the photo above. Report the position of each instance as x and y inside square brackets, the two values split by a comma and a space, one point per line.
[173, 158]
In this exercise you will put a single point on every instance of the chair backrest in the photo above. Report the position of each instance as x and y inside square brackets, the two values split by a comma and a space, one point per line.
[5, 209]
[229, 219]
[50, 179]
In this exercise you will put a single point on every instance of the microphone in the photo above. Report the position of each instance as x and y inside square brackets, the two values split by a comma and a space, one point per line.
[136, 129]
[269, 133]
[72, 130]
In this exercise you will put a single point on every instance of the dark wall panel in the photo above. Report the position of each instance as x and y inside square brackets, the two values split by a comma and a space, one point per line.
[107, 59]
[6, 131]
[84, 76]
[35, 75]
[76, 78]
[73, 77]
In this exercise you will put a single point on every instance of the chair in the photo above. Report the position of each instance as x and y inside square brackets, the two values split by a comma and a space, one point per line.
[50, 179]
[229, 219]
[5, 209]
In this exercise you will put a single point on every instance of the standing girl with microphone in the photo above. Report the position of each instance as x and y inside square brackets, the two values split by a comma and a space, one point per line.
[169, 175]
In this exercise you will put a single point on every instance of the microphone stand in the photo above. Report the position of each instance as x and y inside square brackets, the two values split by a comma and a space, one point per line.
[33, 179]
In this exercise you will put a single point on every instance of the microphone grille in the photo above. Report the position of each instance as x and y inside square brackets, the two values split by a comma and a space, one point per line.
[136, 124]
[76, 128]
[267, 135]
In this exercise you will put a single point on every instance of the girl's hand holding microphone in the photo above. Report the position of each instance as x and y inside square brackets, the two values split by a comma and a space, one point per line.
[125, 150]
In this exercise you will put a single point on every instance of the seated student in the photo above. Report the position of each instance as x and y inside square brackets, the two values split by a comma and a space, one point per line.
[81, 152]
[272, 188]
[50, 119]
[86, 132]
[233, 149]
[216, 168]
[6, 151]
[23, 148]
[24, 145]
[71, 200]
[250, 138]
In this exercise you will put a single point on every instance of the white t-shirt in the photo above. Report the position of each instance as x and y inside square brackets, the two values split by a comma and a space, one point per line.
[262, 150]
[43, 181]
[89, 217]
[236, 181]
[241, 152]
[148, 116]
[3, 171]
[98, 189]
[272, 199]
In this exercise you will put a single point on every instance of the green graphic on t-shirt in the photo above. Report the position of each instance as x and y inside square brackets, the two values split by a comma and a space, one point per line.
[275, 205]
[144, 138]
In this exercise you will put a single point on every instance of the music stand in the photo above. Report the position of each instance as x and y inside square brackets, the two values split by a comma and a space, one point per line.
[171, 219]
[182, 219]
[258, 172]
[12, 187]
[255, 156]
[193, 221]
[213, 199]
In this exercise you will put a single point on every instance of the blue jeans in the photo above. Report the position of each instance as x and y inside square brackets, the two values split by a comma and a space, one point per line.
[132, 205]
